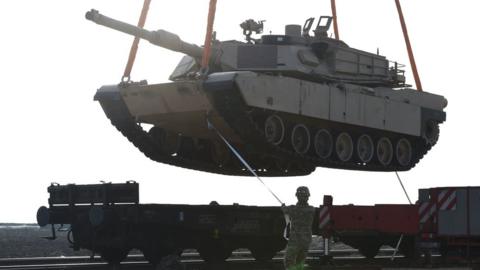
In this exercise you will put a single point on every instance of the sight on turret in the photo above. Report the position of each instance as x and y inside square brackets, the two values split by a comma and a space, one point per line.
[289, 103]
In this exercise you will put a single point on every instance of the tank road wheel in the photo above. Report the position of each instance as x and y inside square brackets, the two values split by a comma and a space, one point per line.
[365, 148]
[282, 165]
[384, 151]
[300, 139]
[344, 147]
[323, 143]
[219, 153]
[169, 141]
[274, 129]
[431, 132]
[403, 152]
[114, 256]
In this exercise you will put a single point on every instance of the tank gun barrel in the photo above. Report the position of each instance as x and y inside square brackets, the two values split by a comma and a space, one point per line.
[159, 38]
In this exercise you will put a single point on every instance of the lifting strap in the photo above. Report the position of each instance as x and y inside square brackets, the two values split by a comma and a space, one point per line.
[134, 48]
[418, 83]
[403, 187]
[399, 242]
[286, 231]
[208, 36]
[334, 16]
[241, 159]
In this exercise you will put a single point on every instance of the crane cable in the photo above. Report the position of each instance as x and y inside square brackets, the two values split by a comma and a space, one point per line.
[411, 57]
[334, 16]
[245, 163]
[207, 48]
[403, 187]
[134, 48]
[418, 83]
[205, 60]
[399, 242]
[241, 159]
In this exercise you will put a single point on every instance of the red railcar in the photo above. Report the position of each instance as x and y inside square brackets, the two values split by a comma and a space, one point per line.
[446, 220]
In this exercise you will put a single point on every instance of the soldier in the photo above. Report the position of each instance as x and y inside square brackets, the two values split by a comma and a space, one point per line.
[301, 218]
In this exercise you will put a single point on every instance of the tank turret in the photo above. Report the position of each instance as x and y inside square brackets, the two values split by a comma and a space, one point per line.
[289, 103]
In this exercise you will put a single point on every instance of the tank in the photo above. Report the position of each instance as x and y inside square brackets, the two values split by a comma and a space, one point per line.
[288, 103]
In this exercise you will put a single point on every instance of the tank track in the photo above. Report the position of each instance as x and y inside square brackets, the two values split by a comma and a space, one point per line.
[186, 157]
[247, 123]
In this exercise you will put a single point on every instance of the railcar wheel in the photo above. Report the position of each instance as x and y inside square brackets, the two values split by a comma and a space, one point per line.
[214, 254]
[365, 148]
[274, 129]
[154, 254]
[384, 151]
[369, 251]
[300, 139]
[323, 143]
[403, 152]
[408, 248]
[263, 254]
[344, 147]
[114, 256]
[431, 132]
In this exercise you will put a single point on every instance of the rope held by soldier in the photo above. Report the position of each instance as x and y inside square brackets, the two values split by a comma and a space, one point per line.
[242, 160]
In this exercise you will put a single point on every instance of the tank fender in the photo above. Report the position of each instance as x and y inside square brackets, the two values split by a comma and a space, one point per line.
[112, 102]
[222, 80]
[108, 92]
[430, 114]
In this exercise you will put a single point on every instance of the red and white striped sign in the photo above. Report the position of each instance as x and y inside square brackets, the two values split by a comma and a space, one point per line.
[447, 199]
[323, 217]
[426, 211]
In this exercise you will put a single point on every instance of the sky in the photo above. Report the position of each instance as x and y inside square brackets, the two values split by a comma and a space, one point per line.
[52, 61]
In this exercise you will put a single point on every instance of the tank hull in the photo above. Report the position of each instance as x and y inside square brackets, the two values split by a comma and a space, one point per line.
[181, 137]
[371, 129]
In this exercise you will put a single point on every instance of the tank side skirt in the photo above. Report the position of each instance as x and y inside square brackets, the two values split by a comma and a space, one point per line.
[241, 118]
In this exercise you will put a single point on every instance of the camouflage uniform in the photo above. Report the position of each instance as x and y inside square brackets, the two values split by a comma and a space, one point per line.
[301, 218]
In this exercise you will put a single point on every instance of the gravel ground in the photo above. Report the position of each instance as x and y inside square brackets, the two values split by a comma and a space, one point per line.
[26, 240]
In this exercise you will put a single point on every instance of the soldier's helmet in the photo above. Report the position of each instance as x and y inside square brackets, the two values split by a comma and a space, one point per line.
[303, 191]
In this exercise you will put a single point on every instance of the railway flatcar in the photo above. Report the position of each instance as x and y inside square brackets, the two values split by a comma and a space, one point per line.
[109, 220]
[444, 220]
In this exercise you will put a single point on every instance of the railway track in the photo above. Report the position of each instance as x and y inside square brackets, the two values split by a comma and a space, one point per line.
[341, 259]
[185, 256]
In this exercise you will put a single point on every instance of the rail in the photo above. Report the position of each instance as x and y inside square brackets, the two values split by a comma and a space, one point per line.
[341, 258]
